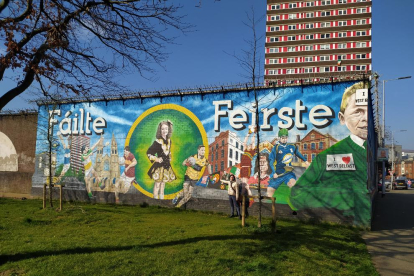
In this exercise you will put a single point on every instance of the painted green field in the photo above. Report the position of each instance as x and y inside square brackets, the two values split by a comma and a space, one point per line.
[86, 239]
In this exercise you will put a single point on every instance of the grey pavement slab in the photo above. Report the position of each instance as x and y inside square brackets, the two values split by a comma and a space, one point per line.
[391, 239]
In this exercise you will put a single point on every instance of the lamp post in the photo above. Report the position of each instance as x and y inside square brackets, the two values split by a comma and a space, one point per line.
[383, 127]
[393, 155]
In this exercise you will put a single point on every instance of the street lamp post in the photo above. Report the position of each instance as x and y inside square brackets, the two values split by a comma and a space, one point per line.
[383, 127]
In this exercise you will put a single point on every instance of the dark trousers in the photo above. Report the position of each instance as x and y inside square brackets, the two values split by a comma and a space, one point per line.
[233, 203]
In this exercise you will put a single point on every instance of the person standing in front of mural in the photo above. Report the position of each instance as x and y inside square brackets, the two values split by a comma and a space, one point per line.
[233, 192]
[280, 160]
[195, 164]
[337, 177]
[90, 173]
[128, 176]
[159, 153]
[66, 156]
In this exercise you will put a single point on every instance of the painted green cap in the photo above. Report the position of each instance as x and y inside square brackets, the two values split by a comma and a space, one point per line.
[283, 132]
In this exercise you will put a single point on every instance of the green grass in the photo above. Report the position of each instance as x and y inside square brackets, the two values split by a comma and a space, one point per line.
[86, 239]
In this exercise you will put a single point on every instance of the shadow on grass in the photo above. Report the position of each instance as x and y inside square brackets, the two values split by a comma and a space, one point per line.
[250, 241]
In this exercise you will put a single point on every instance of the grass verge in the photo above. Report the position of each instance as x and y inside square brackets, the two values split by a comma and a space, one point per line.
[87, 239]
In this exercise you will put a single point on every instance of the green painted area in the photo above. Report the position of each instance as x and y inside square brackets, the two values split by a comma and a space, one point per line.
[184, 142]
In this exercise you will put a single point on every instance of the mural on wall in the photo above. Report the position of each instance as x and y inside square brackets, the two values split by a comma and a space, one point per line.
[8, 156]
[312, 151]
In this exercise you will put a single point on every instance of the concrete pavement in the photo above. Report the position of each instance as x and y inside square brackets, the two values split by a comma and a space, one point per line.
[391, 239]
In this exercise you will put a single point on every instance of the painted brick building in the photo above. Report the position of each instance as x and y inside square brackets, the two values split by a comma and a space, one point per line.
[315, 142]
[316, 40]
[225, 151]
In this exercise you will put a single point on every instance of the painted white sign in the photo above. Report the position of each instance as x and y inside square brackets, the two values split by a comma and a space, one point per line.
[361, 97]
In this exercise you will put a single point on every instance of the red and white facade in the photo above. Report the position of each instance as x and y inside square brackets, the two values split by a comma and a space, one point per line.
[314, 40]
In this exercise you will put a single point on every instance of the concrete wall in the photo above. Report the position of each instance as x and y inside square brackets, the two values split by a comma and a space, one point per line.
[20, 132]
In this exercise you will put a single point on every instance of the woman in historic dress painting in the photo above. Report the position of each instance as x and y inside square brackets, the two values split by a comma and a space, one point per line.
[160, 155]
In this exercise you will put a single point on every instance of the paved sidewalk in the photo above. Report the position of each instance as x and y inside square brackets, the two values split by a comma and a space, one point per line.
[391, 241]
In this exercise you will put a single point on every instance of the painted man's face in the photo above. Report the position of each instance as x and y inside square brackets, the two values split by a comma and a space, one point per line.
[355, 118]
[263, 165]
[283, 139]
[201, 152]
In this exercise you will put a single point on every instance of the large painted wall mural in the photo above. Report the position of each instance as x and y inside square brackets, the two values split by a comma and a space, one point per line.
[312, 146]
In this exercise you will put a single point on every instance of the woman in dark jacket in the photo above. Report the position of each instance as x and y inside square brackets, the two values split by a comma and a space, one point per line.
[159, 153]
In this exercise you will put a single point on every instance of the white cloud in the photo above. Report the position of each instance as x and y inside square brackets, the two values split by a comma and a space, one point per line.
[109, 118]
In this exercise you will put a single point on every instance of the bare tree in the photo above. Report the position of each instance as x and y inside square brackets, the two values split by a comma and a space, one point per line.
[80, 46]
[250, 61]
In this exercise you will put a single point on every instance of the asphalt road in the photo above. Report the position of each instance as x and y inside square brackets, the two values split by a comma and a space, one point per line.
[391, 239]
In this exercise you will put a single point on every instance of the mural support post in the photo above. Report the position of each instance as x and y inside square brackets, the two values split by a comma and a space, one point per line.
[274, 214]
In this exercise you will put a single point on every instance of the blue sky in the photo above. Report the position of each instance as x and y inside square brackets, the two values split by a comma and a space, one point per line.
[200, 58]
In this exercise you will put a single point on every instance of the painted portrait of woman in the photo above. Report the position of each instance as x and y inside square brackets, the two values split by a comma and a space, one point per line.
[159, 153]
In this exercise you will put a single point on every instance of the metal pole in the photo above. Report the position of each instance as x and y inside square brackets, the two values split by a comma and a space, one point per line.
[383, 137]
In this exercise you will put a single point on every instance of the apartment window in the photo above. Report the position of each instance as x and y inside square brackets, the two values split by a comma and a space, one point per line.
[320, 145]
[291, 37]
[309, 36]
[341, 46]
[237, 155]
[215, 167]
[292, 16]
[222, 153]
[360, 56]
[222, 143]
[274, 28]
[324, 58]
[309, 26]
[308, 59]
[326, 13]
[361, 10]
[273, 50]
[341, 1]
[325, 35]
[361, 22]
[325, 47]
[313, 146]
[291, 49]
[342, 34]
[292, 27]
[216, 155]
[361, 1]
[325, 24]
[313, 156]
[309, 15]
[309, 4]
[308, 70]
[231, 153]
[273, 61]
[341, 68]
[324, 3]
[361, 44]
[212, 157]
[272, 72]
[341, 57]
[292, 5]
[361, 33]
[306, 157]
[305, 146]
[290, 71]
[325, 69]
[222, 166]
[290, 60]
[341, 12]
[231, 164]
[274, 17]
[274, 39]
[241, 147]
[275, 7]
[341, 23]
[309, 47]
[360, 67]
[217, 146]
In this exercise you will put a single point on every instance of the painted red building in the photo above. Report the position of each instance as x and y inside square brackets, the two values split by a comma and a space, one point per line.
[313, 143]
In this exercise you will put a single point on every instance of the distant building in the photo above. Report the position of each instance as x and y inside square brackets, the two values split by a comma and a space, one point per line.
[316, 40]
[75, 151]
[406, 167]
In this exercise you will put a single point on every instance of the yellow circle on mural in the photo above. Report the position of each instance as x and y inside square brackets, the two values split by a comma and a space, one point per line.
[153, 112]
